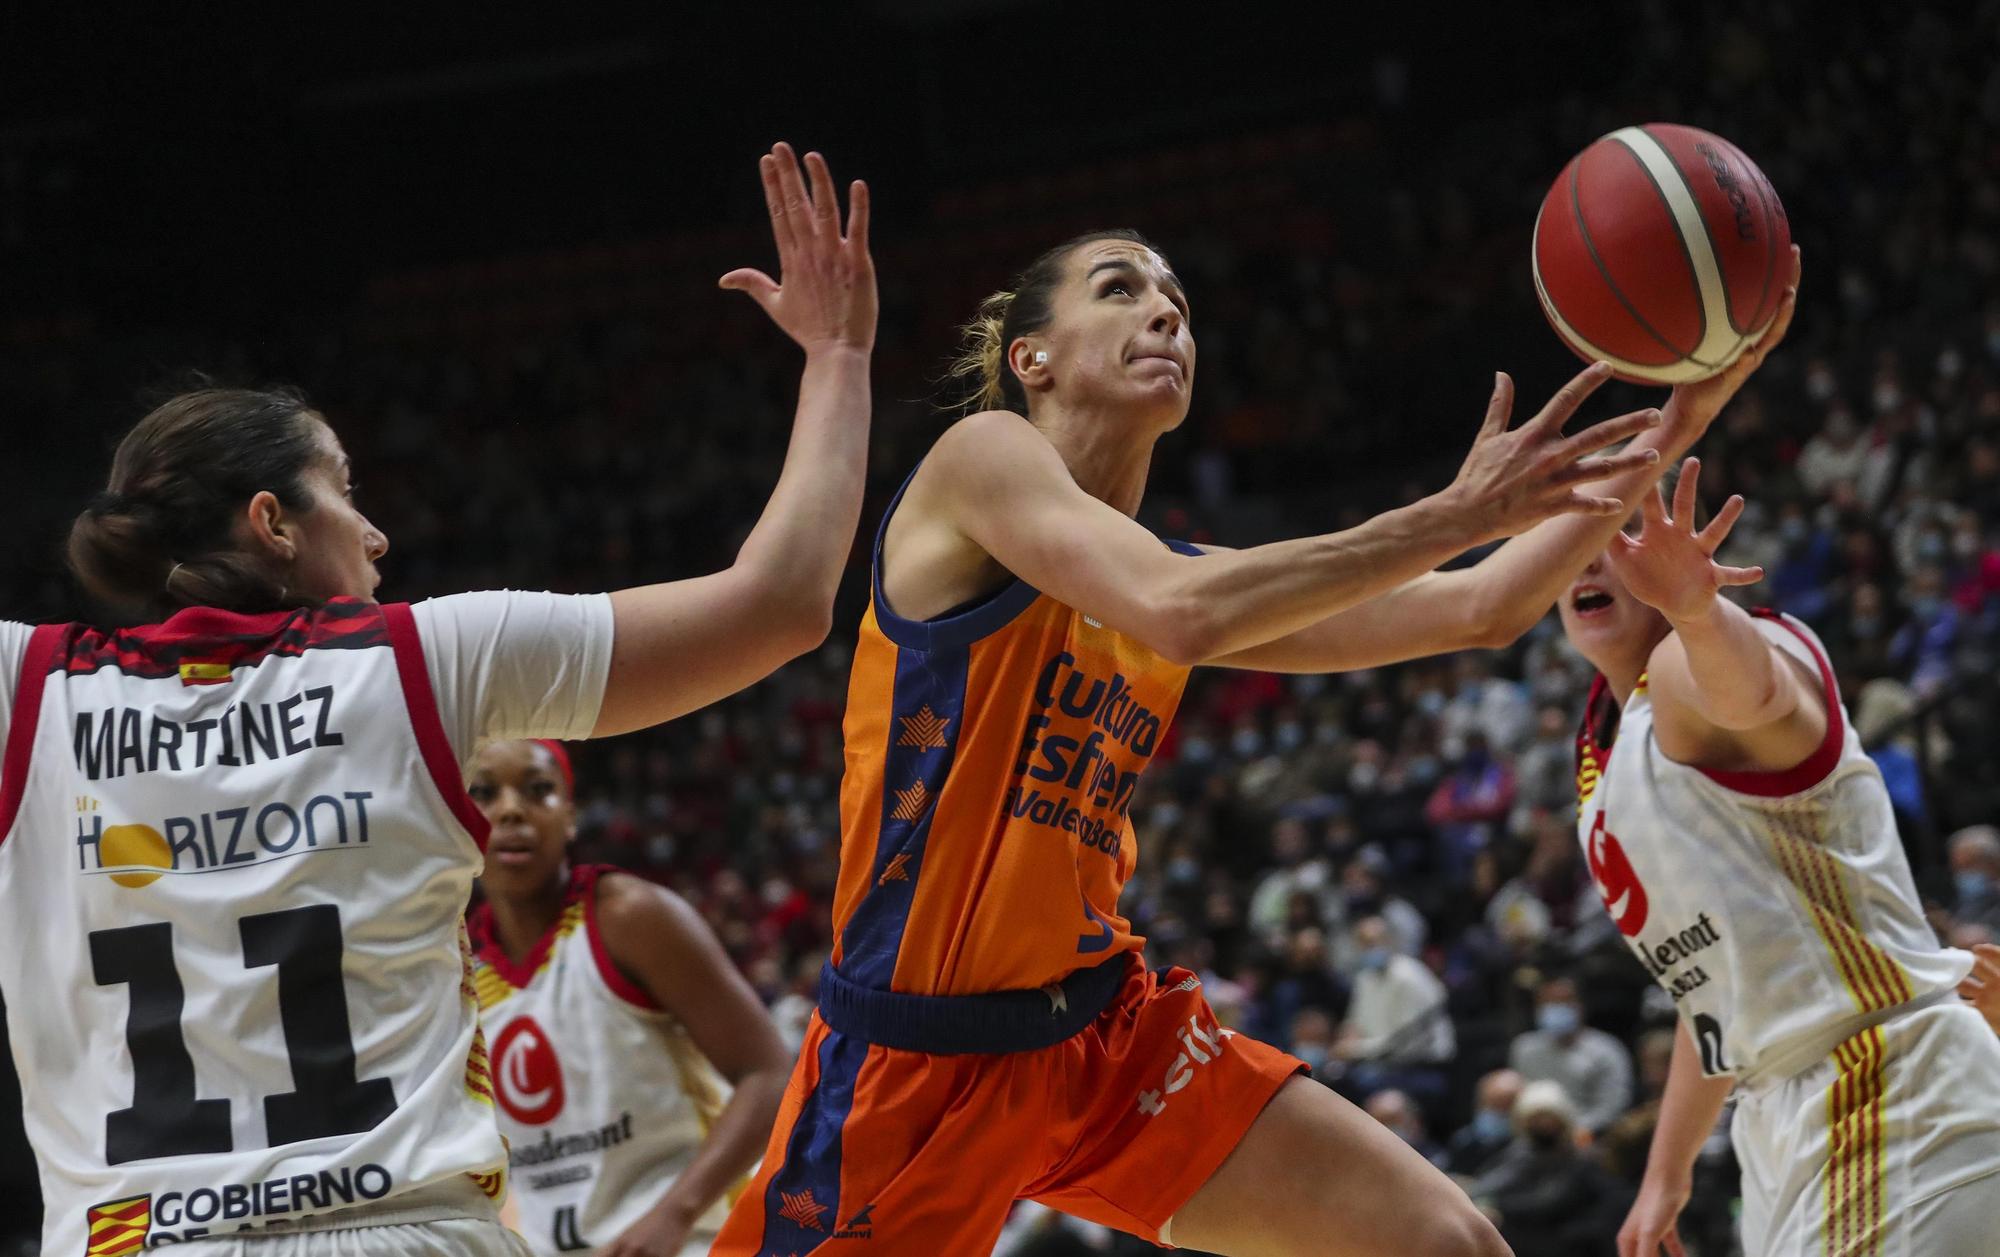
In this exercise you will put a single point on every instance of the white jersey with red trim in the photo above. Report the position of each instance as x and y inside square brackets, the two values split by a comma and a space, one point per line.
[603, 1096]
[1776, 908]
[234, 855]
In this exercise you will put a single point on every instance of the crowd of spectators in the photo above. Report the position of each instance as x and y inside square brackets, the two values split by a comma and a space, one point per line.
[1377, 871]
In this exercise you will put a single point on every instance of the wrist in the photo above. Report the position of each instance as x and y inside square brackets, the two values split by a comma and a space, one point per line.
[1695, 618]
[838, 353]
[1451, 516]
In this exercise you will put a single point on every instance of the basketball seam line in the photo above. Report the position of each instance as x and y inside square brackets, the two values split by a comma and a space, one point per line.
[1583, 229]
[1707, 229]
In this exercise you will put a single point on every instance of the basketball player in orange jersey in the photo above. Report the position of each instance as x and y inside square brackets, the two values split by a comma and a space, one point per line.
[610, 1007]
[235, 844]
[986, 1031]
[1745, 846]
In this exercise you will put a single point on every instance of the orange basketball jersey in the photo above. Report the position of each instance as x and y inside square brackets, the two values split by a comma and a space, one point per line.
[992, 755]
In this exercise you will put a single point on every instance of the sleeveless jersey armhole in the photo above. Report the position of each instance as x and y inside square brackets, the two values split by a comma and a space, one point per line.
[25, 721]
[1815, 767]
[614, 978]
[439, 758]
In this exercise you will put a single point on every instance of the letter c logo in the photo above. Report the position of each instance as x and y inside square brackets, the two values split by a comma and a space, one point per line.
[527, 1077]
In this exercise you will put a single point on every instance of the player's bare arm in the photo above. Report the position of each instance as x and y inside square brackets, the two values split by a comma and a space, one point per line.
[1689, 1109]
[1493, 602]
[1002, 486]
[684, 644]
[663, 945]
[1726, 696]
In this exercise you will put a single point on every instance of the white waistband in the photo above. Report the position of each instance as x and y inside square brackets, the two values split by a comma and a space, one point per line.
[454, 1197]
[1811, 1052]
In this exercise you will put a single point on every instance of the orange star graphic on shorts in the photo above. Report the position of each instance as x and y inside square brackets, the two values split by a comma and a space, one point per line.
[800, 1207]
[910, 804]
[898, 870]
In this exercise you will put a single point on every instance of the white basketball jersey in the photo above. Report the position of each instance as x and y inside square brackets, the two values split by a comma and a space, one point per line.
[1776, 908]
[603, 1097]
[234, 857]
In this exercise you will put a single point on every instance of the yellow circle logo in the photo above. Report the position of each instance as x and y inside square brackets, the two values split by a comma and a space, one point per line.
[135, 844]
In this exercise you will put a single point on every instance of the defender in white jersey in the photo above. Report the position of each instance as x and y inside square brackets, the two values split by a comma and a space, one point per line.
[637, 1074]
[1744, 845]
[235, 847]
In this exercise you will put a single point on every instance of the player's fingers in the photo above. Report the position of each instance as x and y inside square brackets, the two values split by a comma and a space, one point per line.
[1570, 396]
[1671, 1241]
[1587, 469]
[774, 201]
[1684, 492]
[1590, 504]
[857, 215]
[1712, 537]
[1610, 432]
[1781, 322]
[761, 287]
[825, 201]
[798, 206]
[1499, 407]
[1738, 575]
[1653, 507]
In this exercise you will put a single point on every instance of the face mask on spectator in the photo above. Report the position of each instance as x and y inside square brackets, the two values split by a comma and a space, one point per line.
[1197, 750]
[1363, 776]
[1490, 1127]
[1313, 1054]
[1973, 885]
[1246, 743]
[1926, 606]
[1431, 702]
[1183, 871]
[1950, 362]
[1819, 384]
[1792, 529]
[1887, 396]
[1373, 959]
[1866, 625]
[1558, 1019]
[1289, 736]
[1545, 1138]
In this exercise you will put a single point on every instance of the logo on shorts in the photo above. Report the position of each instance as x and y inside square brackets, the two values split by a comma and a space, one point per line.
[800, 1207]
[859, 1227]
[117, 1227]
[1198, 1047]
[529, 1077]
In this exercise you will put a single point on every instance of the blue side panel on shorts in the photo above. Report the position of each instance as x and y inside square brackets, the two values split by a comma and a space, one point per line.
[802, 1201]
[924, 723]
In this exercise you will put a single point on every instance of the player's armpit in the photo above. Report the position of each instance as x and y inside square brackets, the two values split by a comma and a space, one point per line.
[1739, 703]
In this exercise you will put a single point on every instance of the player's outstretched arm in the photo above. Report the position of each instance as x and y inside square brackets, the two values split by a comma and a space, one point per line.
[1689, 1109]
[660, 942]
[1724, 694]
[685, 644]
[1000, 483]
[1502, 596]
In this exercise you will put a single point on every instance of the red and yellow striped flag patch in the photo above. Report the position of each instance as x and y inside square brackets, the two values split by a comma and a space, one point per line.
[204, 674]
[118, 1227]
[1855, 1226]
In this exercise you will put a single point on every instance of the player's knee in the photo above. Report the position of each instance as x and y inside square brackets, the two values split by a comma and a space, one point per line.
[1463, 1231]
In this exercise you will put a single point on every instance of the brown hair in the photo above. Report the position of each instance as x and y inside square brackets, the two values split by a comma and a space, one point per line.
[1022, 309]
[160, 535]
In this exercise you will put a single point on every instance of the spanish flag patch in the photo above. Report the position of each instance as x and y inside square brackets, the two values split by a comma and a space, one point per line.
[118, 1227]
[204, 674]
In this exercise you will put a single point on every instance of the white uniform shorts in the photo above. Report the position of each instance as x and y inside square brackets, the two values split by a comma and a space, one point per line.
[451, 1219]
[1883, 1150]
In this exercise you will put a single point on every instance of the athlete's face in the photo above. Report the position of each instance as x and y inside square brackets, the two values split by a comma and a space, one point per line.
[335, 548]
[1118, 333]
[1607, 625]
[521, 789]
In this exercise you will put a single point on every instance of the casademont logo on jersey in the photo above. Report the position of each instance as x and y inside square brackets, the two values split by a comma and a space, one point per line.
[1081, 754]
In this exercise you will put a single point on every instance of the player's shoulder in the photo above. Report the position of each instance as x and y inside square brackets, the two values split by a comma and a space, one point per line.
[988, 441]
[632, 910]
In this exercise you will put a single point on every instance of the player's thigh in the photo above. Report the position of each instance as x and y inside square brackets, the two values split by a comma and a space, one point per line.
[1315, 1175]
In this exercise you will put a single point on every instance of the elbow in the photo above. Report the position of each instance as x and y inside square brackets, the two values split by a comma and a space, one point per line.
[1185, 632]
[1497, 627]
[790, 620]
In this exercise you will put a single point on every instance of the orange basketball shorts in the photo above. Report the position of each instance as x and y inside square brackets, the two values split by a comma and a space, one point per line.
[885, 1150]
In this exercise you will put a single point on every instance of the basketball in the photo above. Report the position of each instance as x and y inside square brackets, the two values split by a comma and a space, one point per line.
[1662, 250]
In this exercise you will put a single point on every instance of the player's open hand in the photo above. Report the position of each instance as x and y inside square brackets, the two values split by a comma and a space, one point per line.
[1513, 480]
[824, 296]
[1671, 567]
[1981, 988]
[1694, 406]
[1649, 1227]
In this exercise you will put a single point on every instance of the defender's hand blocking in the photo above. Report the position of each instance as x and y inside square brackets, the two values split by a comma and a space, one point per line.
[1669, 566]
[1512, 481]
[824, 297]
